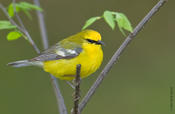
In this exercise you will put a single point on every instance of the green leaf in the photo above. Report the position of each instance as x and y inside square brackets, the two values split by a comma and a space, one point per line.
[90, 22]
[6, 25]
[22, 6]
[123, 22]
[11, 9]
[109, 18]
[14, 35]
[28, 6]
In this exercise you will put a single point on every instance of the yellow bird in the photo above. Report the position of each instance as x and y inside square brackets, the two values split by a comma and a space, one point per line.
[61, 59]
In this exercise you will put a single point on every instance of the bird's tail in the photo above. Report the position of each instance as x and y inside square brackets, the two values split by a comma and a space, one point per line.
[21, 63]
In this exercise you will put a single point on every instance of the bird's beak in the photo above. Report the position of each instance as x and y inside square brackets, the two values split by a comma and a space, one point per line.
[101, 42]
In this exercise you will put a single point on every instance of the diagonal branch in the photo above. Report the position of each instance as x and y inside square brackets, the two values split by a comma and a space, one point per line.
[60, 99]
[21, 29]
[17, 16]
[115, 57]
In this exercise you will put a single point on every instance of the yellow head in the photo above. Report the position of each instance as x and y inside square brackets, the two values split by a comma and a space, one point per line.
[90, 34]
[87, 36]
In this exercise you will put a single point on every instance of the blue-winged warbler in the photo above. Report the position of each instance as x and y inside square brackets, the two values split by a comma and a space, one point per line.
[61, 59]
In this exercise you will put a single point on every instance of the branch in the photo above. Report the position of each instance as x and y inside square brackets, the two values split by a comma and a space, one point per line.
[42, 26]
[17, 16]
[115, 57]
[60, 99]
[21, 29]
[77, 90]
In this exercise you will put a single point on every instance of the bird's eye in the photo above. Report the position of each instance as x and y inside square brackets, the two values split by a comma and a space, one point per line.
[99, 42]
[91, 41]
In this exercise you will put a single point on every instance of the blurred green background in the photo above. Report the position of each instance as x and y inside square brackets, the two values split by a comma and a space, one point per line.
[138, 84]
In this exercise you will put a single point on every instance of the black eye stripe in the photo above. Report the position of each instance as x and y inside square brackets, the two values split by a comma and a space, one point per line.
[93, 41]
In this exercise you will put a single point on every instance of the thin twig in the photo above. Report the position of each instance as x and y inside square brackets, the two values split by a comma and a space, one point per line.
[17, 16]
[115, 57]
[20, 28]
[42, 26]
[24, 30]
[7, 15]
[77, 90]
[60, 99]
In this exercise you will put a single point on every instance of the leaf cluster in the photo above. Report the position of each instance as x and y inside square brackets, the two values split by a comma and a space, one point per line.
[111, 18]
[13, 8]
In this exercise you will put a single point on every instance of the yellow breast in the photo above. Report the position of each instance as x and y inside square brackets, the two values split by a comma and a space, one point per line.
[90, 59]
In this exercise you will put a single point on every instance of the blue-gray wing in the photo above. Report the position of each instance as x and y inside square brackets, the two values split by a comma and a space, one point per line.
[57, 52]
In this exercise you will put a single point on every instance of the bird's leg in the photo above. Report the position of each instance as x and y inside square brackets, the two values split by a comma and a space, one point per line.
[74, 83]
[71, 84]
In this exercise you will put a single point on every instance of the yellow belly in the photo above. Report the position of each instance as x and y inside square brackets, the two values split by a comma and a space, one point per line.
[65, 69]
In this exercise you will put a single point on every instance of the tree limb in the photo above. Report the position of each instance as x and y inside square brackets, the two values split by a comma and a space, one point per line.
[119, 51]
[22, 28]
[60, 99]
[42, 26]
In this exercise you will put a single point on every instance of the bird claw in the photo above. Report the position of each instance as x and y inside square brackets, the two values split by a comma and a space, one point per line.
[71, 84]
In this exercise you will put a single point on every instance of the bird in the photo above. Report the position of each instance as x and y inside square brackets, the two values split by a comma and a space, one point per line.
[61, 59]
